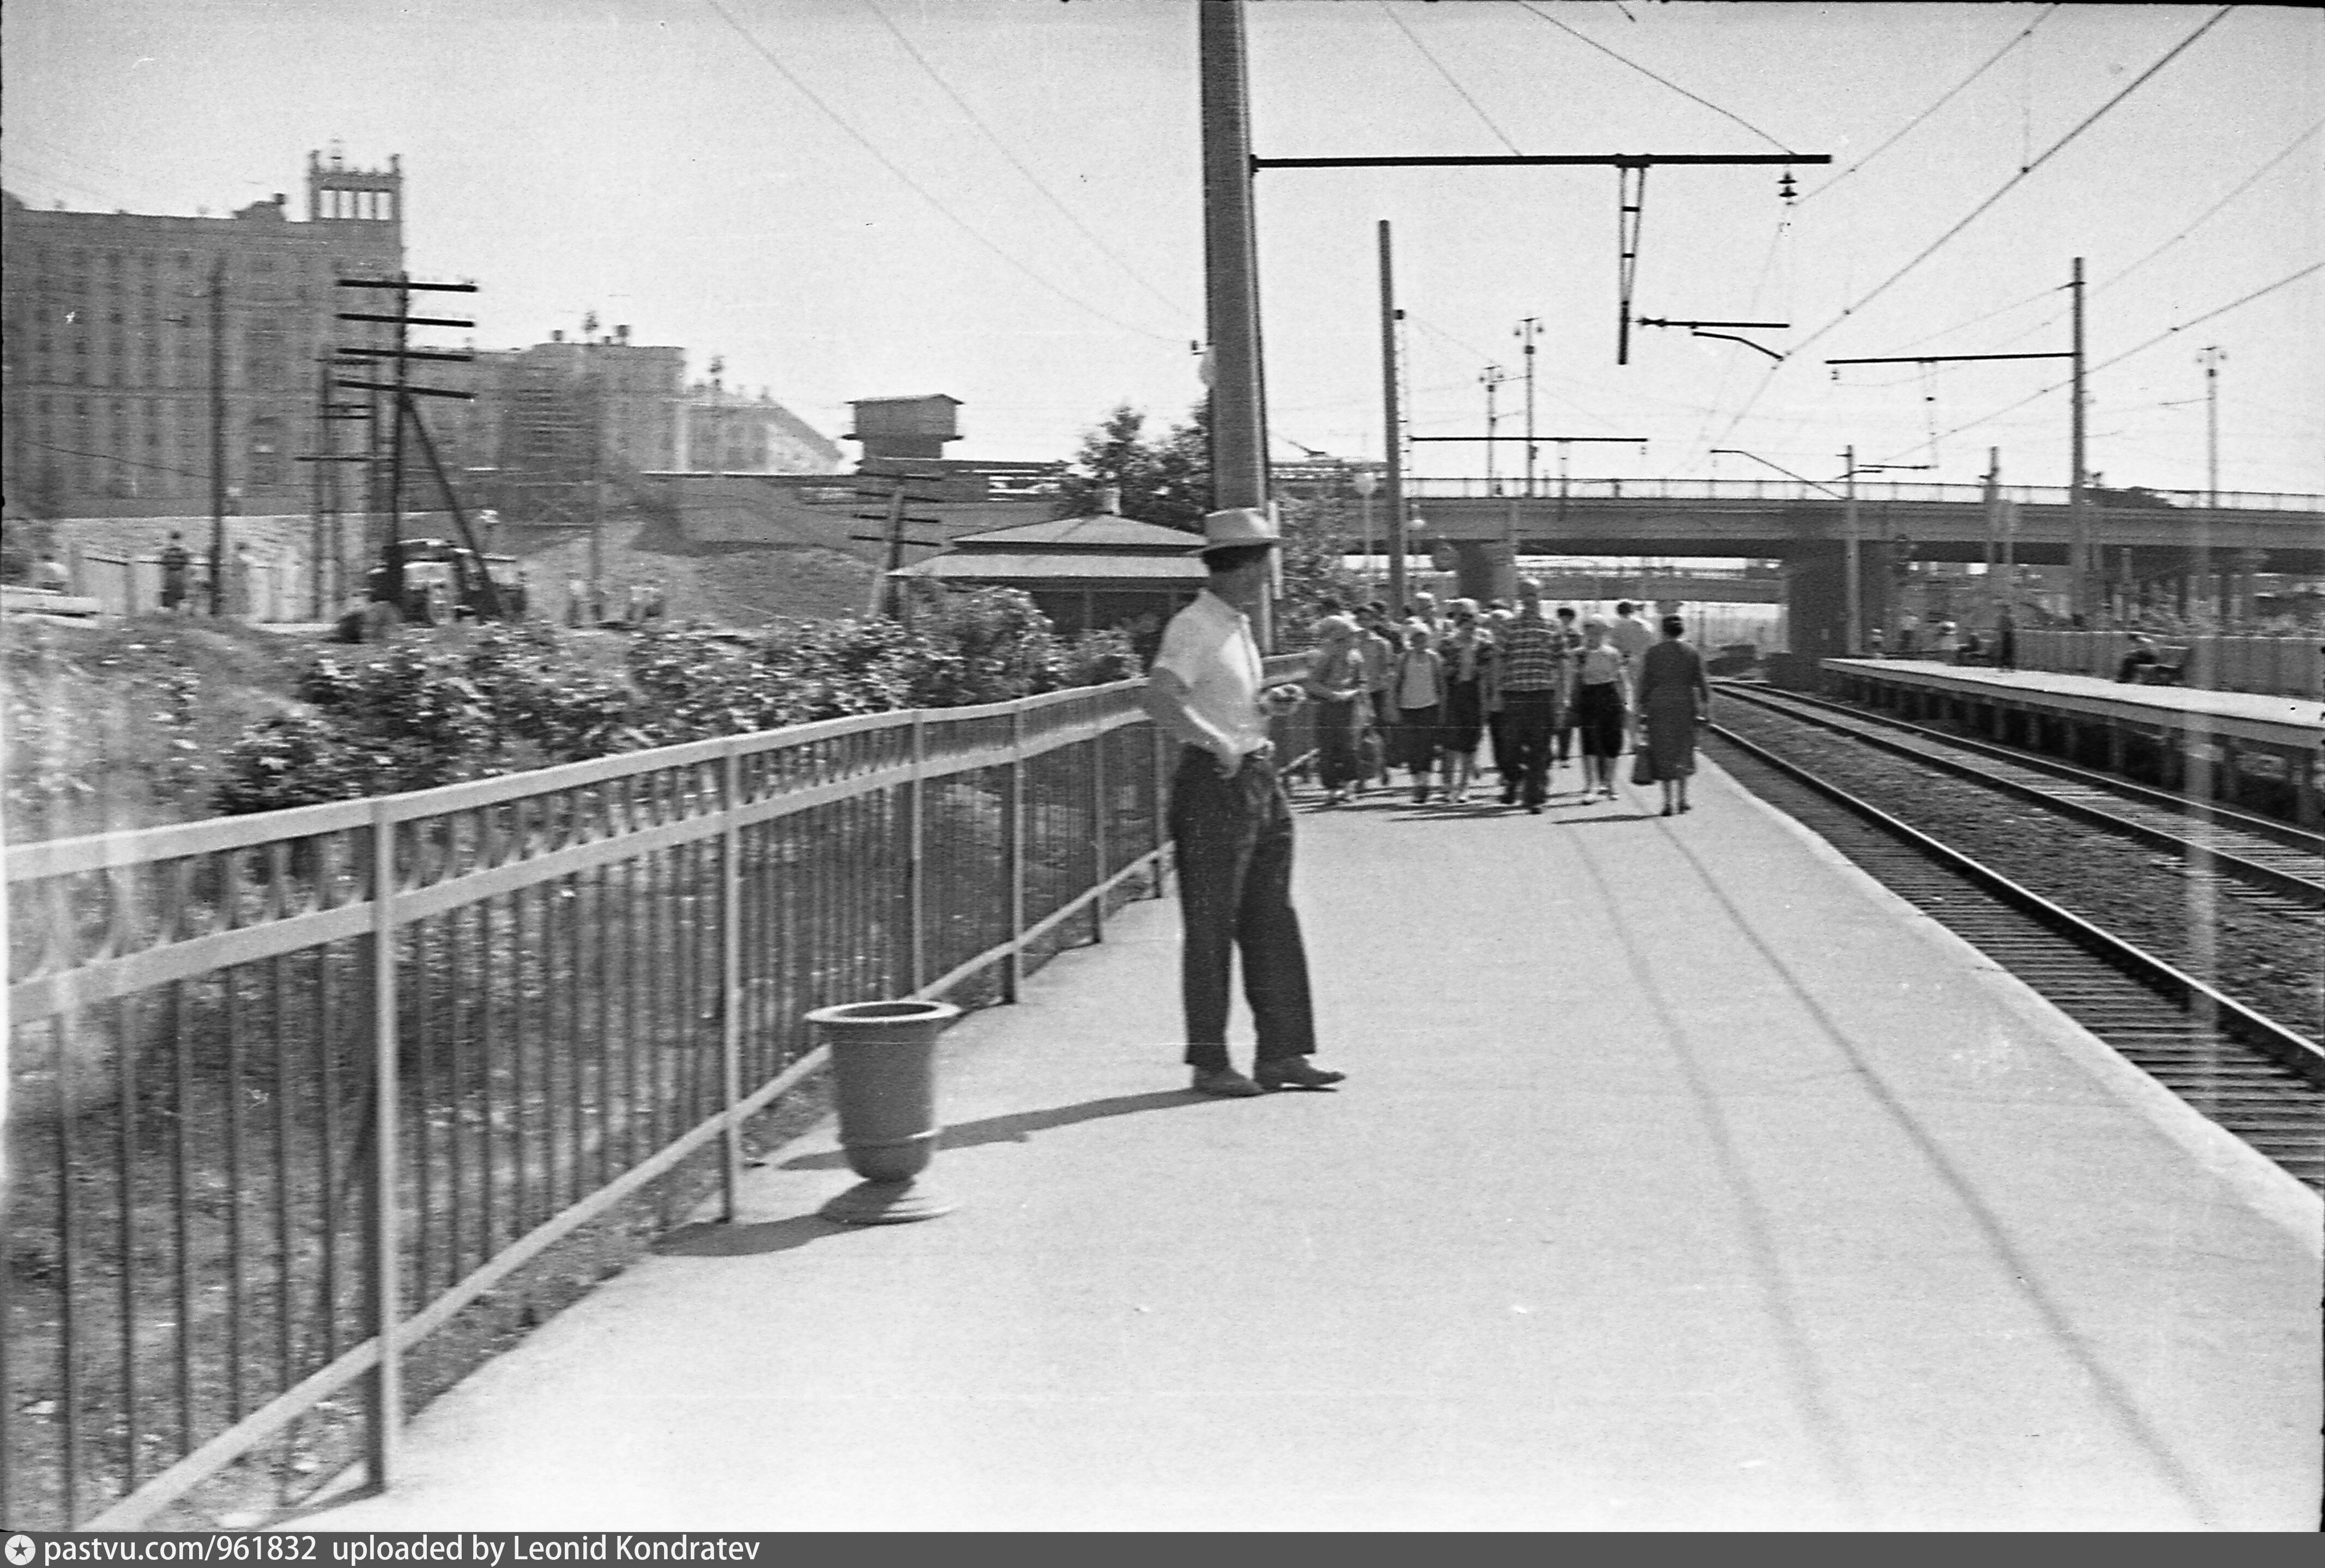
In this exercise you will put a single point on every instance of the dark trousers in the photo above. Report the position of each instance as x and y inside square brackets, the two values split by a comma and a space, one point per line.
[1497, 737]
[1234, 847]
[1530, 718]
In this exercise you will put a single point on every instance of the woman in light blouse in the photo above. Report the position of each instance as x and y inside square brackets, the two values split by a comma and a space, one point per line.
[1602, 706]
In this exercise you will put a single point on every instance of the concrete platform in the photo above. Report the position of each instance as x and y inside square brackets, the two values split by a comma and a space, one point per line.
[2279, 720]
[1684, 1180]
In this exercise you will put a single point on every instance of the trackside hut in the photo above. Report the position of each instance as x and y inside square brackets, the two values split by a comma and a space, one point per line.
[1084, 573]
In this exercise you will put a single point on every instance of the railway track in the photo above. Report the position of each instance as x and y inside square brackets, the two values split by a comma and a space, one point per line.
[2216, 841]
[2258, 1078]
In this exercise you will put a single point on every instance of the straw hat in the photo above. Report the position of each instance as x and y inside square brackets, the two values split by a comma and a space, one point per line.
[1236, 527]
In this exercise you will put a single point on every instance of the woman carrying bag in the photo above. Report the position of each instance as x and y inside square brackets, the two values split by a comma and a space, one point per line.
[1674, 696]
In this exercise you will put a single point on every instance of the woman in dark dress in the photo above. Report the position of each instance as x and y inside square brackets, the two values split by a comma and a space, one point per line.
[1467, 651]
[1674, 696]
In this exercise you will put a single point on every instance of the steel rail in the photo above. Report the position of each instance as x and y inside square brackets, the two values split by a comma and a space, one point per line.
[2203, 857]
[2288, 1046]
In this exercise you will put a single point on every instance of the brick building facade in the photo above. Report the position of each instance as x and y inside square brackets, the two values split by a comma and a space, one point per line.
[111, 333]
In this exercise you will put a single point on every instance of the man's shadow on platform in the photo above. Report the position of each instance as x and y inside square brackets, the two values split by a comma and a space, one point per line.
[712, 1238]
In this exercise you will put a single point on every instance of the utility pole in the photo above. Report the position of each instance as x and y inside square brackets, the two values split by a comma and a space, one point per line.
[2210, 358]
[1529, 330]
[1993, 521]
[403, 409]
[1393, 434]
[2077, 515]
[1231, 277]
[1851, 556]
[218, 438]
[1492, 380]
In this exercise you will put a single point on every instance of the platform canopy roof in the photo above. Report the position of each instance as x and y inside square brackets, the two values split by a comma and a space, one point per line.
[1095, 551]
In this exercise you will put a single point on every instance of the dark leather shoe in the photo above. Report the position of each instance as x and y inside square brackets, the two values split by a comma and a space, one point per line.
[1294, 1073]
[1225, 1081]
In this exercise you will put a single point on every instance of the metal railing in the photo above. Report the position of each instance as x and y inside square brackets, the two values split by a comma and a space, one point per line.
[1475, 488]
[290, 1090]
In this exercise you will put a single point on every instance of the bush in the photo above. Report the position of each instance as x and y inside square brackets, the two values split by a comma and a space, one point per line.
[423, 712]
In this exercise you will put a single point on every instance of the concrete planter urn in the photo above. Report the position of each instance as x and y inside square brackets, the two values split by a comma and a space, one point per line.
[883, 1074]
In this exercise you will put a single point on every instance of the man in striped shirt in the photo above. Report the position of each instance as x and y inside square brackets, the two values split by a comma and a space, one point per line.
[1529, 678]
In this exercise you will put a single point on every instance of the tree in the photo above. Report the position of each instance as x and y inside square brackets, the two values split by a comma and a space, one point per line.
[1165, 481]
[1315, 556]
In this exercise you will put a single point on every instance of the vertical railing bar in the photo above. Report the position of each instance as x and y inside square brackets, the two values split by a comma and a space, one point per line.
[386, 1378]
[456, 1082]
[487, 1062]
[915, 868]
[182, 1073]
[130, 1019]
[570, 1040]
[68, 1274]
[284, 1353]
[730, 968]
[1099, 865]
[631, 1055]
[424, 1041]
[326, 1119]
[525, 957]
[1013, 856]
[235, 1403]
[601, 984]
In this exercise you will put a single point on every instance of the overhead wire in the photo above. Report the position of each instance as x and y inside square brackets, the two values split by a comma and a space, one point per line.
[1975, 213]
[1948, 96]
[1414, 39]
[2141, 347]
[2012, 183]
[922, 190]
[1016, 162]
[1642, 70]
[2249, 182]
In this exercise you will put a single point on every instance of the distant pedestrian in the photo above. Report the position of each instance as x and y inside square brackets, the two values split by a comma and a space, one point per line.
[1945, 644]
[1674, 698]
[1336, 680]
[1562, 732]
[1380, 670]
[1872, 642]
[1468, 653]
[1498, 616]
[1420, 687]
[1530, 679]
[1232, 822]
[2137, 661]
[2006, 639]
[1630, 634]
[50, 573]
[1602, 704]
[575, 600]
[177, 565]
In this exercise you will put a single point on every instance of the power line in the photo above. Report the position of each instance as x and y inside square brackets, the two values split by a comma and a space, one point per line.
[2012, 183]
[2142, 347]
[1014, 163]
[2249, 182]
[2007, 186]
[2028, 32]
[921, 191]
[1643, 71]
[1447, 75]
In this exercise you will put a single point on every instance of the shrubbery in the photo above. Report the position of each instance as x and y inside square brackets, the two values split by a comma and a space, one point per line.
[420, 712]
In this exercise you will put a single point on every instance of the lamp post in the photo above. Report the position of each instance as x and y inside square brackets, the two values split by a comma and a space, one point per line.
[1365, 482]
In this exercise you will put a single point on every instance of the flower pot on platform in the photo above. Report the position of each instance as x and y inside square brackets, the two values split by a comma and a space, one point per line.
[884, 1078]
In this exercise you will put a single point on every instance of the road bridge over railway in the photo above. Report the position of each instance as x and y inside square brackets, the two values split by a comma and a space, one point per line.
[2151, 539]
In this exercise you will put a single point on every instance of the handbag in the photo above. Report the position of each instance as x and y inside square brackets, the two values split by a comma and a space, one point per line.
[1643, 766]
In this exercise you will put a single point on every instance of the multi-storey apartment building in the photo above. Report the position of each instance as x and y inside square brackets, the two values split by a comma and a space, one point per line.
[114, 322]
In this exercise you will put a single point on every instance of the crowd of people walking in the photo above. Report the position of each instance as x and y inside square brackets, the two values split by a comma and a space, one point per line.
[1425, 690]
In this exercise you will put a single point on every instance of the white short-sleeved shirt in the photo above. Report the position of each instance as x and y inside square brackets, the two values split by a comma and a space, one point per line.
[1633, 637]
[1209, 647]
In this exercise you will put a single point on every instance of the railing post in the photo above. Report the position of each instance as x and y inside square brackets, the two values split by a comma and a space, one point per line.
[385, 1426]
[1013, 855]
[1098, 862]
[1157, 788]
[916, 896]
[730, 982]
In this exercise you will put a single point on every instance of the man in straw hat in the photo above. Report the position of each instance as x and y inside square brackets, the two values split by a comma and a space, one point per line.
[1231, 821]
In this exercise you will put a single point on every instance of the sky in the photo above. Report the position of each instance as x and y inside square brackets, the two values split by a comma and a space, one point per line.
[1001, 200]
